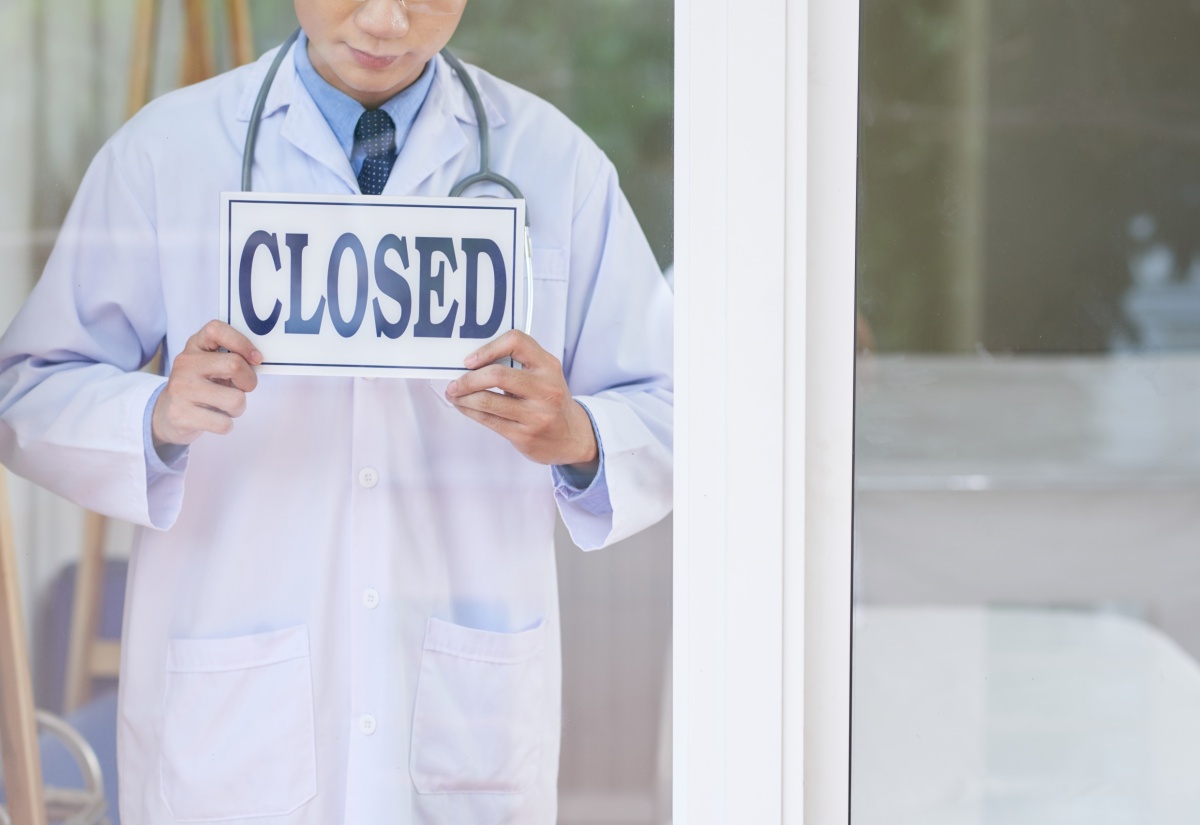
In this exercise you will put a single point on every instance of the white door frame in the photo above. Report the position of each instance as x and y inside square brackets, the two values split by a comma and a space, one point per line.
[765, 141]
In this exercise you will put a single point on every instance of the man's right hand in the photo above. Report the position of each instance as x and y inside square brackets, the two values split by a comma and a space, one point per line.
[207, 387]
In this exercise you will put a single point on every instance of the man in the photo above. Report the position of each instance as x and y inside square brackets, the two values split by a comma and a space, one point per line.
[350, 613]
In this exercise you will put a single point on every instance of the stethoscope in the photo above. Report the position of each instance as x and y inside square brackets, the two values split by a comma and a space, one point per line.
[484, 175]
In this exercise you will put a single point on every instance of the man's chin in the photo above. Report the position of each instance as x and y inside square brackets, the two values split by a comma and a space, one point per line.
[377, 86]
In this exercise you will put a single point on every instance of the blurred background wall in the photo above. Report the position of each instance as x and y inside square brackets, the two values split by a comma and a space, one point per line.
[1030, 173]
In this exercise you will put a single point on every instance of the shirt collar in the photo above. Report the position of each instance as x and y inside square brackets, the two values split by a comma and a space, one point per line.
[342, 112]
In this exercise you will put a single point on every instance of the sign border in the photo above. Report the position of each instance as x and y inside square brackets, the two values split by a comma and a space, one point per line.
[230, 199]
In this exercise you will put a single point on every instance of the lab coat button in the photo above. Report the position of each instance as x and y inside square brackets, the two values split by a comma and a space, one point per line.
[371, 598]
[366, 724]
[368, 477]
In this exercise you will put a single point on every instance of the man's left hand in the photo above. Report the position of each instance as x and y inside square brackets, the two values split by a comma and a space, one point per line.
[536, 413]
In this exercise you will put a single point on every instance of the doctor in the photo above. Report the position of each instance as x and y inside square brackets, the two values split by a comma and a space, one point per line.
[344, 609]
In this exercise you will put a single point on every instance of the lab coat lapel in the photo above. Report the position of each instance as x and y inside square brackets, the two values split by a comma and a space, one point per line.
[435, 138]
[439, 133]
[303, 124]
[306, 129]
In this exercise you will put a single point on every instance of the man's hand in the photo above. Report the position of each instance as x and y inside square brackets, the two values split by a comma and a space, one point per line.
[536, 412]
[207, 387]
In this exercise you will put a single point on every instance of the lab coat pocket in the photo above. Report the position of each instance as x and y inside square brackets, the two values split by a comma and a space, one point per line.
[479, 698]
[238, 738]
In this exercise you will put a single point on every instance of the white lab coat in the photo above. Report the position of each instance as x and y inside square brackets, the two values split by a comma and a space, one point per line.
[348, 612]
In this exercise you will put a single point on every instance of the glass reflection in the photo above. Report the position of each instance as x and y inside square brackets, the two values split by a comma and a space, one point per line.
[608, 65]
[1027, 450]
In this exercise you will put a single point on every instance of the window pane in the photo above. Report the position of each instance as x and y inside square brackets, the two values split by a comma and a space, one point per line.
[1027, 450]
[607, 64]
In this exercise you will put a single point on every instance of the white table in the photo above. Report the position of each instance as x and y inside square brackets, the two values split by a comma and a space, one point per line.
[974, 716]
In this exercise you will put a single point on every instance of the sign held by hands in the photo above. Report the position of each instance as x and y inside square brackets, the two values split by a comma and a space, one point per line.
[375, 286]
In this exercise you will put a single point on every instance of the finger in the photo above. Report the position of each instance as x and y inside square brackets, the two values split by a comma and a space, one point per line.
[512, 344]
[233, 370]
[219, 398]
[492, 403]
[183, 423]
[195, 406]
[217, 335]
[513, 382]
[495, 423]
[204, 419]
[226, 368]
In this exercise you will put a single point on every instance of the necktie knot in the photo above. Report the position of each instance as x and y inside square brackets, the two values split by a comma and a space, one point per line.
[375, 134]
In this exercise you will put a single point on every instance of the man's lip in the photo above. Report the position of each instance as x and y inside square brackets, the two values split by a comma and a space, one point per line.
[371, 61]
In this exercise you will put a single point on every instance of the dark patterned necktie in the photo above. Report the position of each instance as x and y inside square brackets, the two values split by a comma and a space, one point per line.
[376, 134]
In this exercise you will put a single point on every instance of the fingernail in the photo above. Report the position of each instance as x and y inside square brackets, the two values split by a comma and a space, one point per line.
[472, 359]
[256, 357]
[452, 388]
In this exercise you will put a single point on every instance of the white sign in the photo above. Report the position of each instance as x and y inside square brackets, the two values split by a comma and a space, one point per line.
[370, 285]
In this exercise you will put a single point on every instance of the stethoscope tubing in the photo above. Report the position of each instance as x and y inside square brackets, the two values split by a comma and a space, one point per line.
[484, 175]
[259, 104]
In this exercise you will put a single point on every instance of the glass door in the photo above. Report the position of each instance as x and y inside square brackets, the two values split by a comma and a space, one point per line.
[1027, 448]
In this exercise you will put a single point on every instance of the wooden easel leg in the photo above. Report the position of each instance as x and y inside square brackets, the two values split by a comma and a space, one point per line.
[85, 613]
[241, 38]
[18, 728]
[198, 60]
[144, 26]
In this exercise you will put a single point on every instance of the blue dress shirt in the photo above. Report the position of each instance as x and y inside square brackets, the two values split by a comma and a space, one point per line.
[342, 111]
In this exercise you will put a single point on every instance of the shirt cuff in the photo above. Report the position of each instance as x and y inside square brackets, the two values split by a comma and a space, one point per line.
[575, 487]
[167, 459]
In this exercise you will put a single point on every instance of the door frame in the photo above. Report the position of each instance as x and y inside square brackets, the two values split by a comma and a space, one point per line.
[765, 174]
